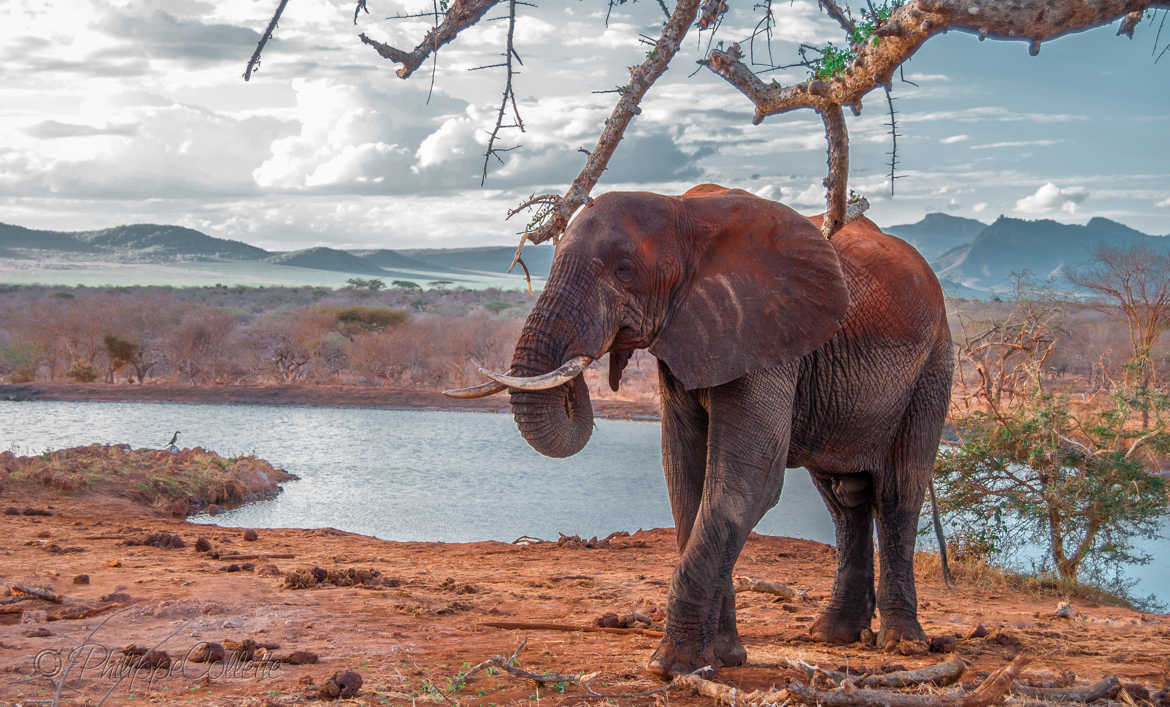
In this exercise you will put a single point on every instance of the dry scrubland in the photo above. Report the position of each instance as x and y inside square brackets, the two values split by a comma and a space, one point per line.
[421, 340]
[95, 555]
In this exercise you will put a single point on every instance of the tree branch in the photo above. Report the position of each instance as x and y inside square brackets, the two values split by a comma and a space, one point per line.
[642, 77]
[461, 15]
[836, 182]
[254, 62]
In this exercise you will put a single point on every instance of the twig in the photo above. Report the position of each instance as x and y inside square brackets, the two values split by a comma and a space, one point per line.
[989, 691]
[461, 15]
[73, 657]
[940, 674]
[537, 626]
[1106, 689]
[254, 62]
[508, 97]
[747, 584]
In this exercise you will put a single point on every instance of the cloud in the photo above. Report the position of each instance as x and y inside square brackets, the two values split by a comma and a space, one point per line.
[953, 139]
[980, 207]
[1050, 197]
[1014, 143]
[52, 129]
[1164, 203]
[161, 34]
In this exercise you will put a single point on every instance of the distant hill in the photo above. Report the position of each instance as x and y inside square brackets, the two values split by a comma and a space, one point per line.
[494, 259]
[1046, 248]
[938, 233]
[143, 240]
[326, 259]
[392, 260]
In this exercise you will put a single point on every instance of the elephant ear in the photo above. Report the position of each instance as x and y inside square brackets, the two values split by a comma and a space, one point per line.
[765, 287]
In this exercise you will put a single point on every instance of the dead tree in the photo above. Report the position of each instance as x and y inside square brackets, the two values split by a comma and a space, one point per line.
[877, 47]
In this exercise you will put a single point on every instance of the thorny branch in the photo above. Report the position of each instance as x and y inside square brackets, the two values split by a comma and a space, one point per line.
[509, 97]
[254, 62]
[461, 15]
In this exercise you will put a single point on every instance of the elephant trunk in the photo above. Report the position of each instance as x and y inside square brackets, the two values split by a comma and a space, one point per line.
[556, 422]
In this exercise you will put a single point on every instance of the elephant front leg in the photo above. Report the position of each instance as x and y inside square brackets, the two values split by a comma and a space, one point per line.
[747, 447]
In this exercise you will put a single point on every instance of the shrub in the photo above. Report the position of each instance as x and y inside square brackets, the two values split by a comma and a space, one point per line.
[82, 372]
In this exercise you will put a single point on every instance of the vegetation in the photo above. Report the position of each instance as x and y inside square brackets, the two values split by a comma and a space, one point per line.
[1040, 464]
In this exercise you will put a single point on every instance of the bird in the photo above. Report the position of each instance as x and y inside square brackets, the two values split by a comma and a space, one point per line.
[174, 438]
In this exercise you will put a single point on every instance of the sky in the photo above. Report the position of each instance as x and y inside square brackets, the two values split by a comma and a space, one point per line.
[124, 111]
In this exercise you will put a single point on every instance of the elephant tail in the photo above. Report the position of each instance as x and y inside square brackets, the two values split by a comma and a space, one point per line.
[938, 534]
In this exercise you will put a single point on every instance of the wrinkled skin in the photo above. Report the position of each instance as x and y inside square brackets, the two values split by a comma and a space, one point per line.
[776, 349]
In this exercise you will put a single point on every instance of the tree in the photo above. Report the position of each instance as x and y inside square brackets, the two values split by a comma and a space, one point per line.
[406, 285]
[876, 42]
[1031, 468]
[1133, 286]
[119, 353]
[358, 283]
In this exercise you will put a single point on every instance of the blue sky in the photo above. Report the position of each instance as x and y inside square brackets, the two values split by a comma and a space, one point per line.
[122, 111]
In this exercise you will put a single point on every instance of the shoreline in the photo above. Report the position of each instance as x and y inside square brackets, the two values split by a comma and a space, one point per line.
[339, 396]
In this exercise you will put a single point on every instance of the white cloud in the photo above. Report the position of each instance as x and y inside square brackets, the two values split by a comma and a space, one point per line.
[1164, 203]
[1050, 197]
[953, 139]
[1014, 143]
[813, 195]
[980, 207]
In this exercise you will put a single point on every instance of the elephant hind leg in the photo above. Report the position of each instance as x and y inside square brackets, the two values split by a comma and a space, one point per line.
[850, 501]
[899, 496]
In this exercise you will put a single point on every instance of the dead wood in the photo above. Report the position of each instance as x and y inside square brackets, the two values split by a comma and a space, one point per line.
[727, 695]
[80, 613]
[46, 594]
[990, 691]
[261, 556]
[538, 626]
[1106, 689]
[940, 674]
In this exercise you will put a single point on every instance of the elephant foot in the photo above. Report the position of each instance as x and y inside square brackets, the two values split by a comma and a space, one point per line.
[729, 650]
[835, 627]
[680, 658]
[900, 631]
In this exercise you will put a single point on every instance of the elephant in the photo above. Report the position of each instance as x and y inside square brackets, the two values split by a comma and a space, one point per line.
[776, 348]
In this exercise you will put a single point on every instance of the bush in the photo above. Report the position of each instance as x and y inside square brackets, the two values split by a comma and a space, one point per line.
[82, 372]
[359, 318]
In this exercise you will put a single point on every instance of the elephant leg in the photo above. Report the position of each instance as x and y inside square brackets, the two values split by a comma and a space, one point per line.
[899, 495]
[747, 445]
[850, 501]
[684, 451]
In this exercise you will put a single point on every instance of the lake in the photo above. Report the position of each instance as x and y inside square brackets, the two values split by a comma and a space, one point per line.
[424, 475]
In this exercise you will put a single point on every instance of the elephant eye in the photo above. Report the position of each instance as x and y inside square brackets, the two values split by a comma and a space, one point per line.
[624, 270]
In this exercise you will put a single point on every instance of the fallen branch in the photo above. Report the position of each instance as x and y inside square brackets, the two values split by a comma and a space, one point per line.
[538, 626]
[727, 695]
[940, 674]
[747, 584]
[1107, 689]
[46, 594]
[261, 556]
[83, 613]
[990, 691]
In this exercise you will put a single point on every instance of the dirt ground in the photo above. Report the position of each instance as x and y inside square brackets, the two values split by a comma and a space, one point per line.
[420, 620]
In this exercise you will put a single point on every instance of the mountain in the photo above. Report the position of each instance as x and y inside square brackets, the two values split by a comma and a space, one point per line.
[392, 260]
[142, 240]
[938, 233]
[494, 259]
[326, 259]
[1046, 248]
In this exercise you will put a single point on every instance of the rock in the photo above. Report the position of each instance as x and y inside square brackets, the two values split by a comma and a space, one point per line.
[81, 579]
[208, 652]
[180, 508]
[114, 563]
[10, 511]
[155, 659]
[251, 535]
[269, 570]
[42, 632]
[202, 545]
[301, 658]
[1005, 638]
[115, 596]
[33, 616]
[609, 620]
[36, 512]
[868, 637]
[1137, 692]
[230, 568]
[1064, 610]
[247, 566]
[342, 684]
[942, 644]
[167, 541]
[979, 632]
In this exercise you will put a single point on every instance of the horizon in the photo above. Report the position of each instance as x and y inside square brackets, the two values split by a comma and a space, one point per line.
[325, 147]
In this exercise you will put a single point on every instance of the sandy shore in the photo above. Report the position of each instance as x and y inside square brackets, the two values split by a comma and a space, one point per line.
[310, 395]
[425, 615]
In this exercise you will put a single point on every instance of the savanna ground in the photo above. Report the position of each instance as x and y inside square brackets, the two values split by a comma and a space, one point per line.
[78, 524]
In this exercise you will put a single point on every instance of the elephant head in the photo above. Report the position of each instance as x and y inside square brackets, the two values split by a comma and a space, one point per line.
[715, 283]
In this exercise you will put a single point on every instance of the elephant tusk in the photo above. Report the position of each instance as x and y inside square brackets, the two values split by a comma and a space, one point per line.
[568, 371]
[476, 391]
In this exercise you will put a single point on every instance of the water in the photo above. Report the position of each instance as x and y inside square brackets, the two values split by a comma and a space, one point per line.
[420, 475]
